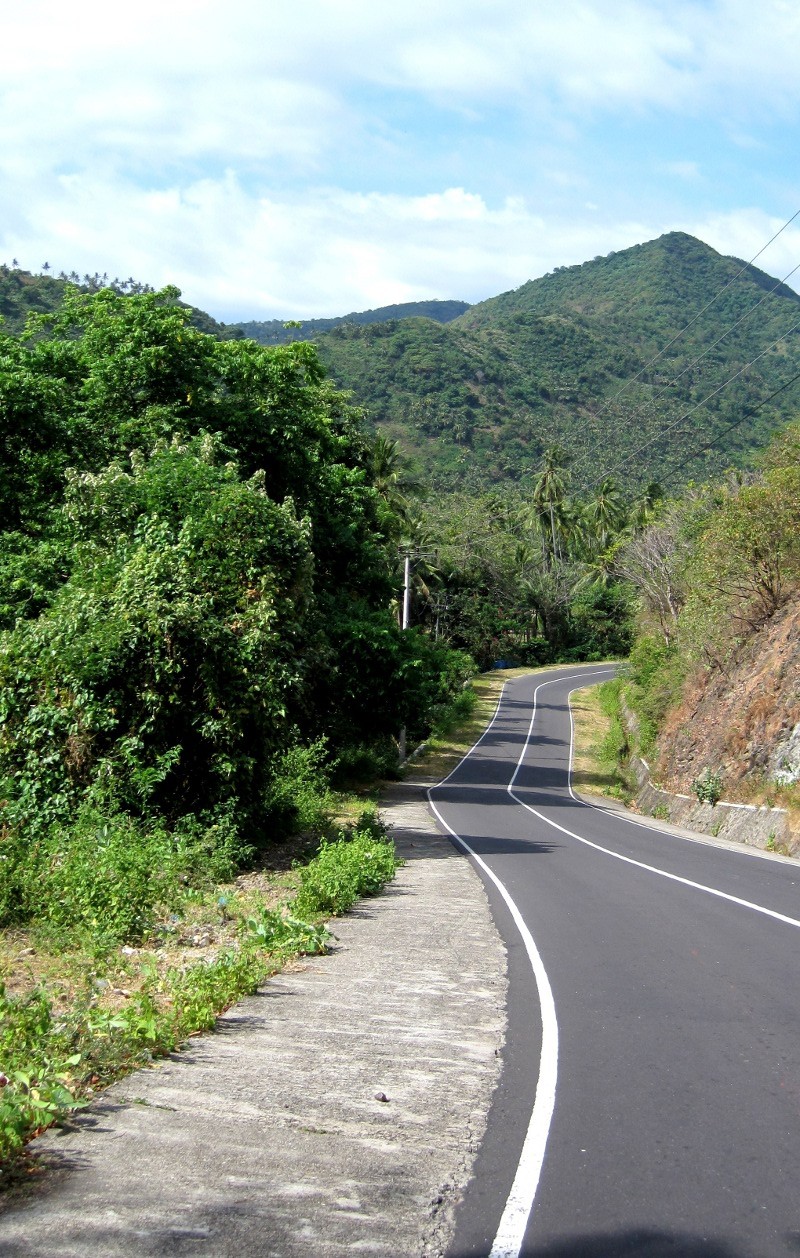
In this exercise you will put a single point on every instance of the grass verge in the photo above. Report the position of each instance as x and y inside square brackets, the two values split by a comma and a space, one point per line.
[601, 743]
[74, 1017]
[454, 737]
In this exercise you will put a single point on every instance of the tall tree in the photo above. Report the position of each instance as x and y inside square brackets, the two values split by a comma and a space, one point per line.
[549, 504]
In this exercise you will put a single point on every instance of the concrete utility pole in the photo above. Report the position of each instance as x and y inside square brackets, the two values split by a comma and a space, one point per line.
[406, 591]
[407, 557]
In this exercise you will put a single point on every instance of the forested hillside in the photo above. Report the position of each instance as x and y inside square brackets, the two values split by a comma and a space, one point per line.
[280, 332]
[716, 657]
[566, 360]
[666, 361]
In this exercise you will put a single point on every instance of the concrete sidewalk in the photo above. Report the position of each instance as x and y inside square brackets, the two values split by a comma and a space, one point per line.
[266, 1137]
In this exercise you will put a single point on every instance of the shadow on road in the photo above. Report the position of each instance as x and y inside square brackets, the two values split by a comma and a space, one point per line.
[631, 1243]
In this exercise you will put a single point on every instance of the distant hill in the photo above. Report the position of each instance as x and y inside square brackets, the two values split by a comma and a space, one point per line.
[564, 360]
[635, 364]
[275, 331]
[23, 293]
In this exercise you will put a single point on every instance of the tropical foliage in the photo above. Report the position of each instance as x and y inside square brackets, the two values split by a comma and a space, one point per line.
[577, 359]
[529, 577]
[712, 569]
[196, 584]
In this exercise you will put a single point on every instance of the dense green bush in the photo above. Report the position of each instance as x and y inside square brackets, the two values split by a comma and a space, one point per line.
[195, 606]
[342, 871]
[160, 675]
[656, 671]
[601, 621]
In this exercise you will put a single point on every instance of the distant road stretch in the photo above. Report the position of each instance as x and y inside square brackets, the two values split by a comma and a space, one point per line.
[650, 1097]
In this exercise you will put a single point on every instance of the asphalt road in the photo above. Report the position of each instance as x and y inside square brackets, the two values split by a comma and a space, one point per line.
[649, 1102]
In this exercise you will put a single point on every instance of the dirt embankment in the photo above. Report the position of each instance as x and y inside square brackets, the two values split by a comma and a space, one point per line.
[743, 724]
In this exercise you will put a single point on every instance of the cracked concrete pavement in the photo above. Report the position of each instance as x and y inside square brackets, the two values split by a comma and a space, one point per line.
[266, 1137]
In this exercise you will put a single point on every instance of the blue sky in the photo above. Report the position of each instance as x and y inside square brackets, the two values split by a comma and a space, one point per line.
[275, 160]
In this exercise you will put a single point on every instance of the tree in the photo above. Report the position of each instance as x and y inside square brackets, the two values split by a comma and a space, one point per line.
[654, 561]
[606, 513]
[392, 477]
[548, 504]
[166, 671]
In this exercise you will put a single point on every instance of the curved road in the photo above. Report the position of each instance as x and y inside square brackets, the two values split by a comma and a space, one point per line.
[650, 1096]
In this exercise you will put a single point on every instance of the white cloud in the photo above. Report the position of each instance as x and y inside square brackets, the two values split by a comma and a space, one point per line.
[326, 252]
[203, 79]
[276, 161]
[744, 233]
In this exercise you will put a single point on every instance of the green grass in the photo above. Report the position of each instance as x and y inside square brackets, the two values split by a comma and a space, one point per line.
[601, 742]
[73, 1018]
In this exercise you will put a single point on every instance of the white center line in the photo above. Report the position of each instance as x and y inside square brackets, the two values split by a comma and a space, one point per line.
[628, 860]
[519, 1204]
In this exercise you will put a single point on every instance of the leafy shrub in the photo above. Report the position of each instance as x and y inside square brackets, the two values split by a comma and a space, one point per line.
[36, 1069]
[366, 762]
[452, 713]
[353, 866]
[708, 787]
[201, 992]
[160, 671]
[299, 797]
[656, 671]
[110, 875]
[283, 932]
[615, 748]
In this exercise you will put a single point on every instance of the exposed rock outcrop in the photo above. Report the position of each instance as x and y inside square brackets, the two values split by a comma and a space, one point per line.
[742, 723]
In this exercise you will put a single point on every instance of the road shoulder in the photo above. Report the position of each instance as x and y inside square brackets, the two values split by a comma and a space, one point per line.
[268, 1137]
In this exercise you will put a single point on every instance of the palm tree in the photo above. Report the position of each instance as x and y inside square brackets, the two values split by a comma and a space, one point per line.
[392, 476]
[646, 505]
[607, 513]
[549, 504]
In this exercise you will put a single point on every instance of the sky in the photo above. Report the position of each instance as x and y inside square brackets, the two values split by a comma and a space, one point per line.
[280, 160]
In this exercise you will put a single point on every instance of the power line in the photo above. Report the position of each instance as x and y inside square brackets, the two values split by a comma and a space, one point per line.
[686, 414]
[699, 314]
[748, 414]
[732, 328]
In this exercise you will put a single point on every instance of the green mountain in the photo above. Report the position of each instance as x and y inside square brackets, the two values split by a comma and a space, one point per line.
[276, 331]
[577, 359]
[23, 293]
[666, 361]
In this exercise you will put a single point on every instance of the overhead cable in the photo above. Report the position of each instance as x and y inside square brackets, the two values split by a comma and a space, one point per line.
[747, 414]
[699, 314]
[659, 436]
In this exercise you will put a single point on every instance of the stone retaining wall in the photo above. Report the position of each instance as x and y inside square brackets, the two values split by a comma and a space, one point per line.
[743, 823]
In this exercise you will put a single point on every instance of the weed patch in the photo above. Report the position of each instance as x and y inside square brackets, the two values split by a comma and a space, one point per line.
[63, 1039]
[343, 871]
[601, 741]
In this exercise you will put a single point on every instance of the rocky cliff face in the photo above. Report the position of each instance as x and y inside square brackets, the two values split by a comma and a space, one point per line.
[743, 723]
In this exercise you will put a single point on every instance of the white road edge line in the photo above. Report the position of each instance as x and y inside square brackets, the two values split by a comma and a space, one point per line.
[628, 860]
[514, 1220]
[519, 1204]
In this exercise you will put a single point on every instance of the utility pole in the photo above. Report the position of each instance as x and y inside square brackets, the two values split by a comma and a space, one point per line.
[406, 590]
[408, 555]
